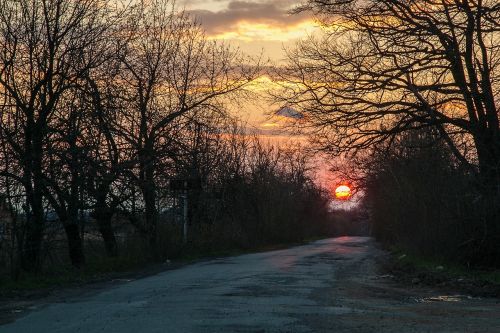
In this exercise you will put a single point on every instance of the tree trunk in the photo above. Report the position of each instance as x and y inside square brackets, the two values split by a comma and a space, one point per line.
[151, 217]
[488, 152]
[149, 194]
[103, 217]
[75, 243]
[69, 219]
[30, 260]
[488, 237]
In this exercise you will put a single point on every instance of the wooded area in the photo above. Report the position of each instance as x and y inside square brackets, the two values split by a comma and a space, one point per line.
[116, 136]
[409, 91]
[107, 107]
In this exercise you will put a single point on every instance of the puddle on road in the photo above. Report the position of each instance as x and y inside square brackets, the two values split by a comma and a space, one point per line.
[443, 298]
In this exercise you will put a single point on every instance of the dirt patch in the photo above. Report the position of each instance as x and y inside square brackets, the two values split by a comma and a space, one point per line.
[410, 274]
[372, 296]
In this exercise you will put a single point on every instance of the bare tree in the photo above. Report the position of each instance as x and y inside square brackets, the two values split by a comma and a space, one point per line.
[170, 71]
[109, 160]
[385, 67]
[47, 47]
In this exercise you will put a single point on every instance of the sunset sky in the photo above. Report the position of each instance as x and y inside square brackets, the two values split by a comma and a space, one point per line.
[255, 25]
[259, 27]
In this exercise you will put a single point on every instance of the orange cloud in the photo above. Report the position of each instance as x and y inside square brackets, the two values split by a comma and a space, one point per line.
[263, 20]
[254, 31]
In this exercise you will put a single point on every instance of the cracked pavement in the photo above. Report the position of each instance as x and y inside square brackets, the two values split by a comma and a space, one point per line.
[326, 286]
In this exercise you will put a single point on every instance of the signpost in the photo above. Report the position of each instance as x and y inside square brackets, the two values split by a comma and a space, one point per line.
[182, 186]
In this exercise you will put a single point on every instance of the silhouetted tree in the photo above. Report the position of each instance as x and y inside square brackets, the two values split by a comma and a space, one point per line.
[47, 47]
[169, 71]
[384, 67]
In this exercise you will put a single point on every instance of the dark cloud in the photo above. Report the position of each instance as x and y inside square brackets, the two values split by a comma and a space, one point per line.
[289, 112]
[274, 13]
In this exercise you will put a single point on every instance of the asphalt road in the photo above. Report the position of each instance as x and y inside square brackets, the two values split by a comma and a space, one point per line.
[326, 286]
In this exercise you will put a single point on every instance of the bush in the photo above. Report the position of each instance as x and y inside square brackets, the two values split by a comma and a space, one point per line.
[424, 202]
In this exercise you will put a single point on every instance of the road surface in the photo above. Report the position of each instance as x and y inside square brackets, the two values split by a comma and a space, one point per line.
[327, 286]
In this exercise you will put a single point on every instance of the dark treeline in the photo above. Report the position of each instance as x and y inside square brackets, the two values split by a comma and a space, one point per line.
[413, 84]
[426, 203]
[105, 109]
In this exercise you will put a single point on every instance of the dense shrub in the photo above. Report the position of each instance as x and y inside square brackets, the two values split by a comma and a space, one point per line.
[424, 202]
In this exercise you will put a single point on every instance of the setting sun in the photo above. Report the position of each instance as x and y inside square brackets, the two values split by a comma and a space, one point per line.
[342, 192]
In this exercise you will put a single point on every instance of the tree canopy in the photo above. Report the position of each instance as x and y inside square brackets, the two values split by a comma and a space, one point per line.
[383, 67]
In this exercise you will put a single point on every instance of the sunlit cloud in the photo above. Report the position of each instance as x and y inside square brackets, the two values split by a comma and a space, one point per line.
[267, 125]
[260, 28]
[254, 31]
[264, 83]
[257, 20]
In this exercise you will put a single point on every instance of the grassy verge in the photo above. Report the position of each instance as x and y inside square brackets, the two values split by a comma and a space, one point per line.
[451, 276]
